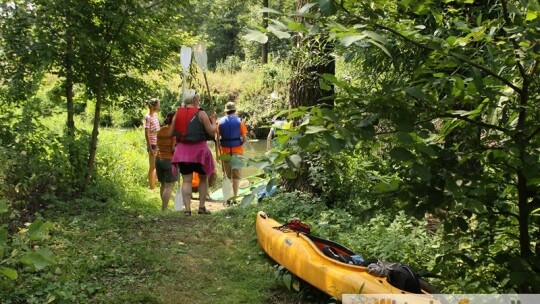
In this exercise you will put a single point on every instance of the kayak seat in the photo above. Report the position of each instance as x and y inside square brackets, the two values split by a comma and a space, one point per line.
[331, 253]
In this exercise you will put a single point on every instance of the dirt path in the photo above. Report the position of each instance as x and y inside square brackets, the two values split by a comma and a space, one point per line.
[209, 259]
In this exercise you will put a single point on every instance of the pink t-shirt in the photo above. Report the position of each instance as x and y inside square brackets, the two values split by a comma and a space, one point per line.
[152, 124]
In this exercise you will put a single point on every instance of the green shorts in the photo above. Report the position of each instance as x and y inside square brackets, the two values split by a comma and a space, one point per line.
[164, 171]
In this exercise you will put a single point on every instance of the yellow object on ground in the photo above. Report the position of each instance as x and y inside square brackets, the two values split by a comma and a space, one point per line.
[302, 255]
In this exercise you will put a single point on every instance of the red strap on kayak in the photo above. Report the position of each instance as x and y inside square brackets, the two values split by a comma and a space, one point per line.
[295, 225]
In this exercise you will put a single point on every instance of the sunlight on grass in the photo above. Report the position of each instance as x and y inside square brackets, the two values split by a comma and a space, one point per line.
[125, 250]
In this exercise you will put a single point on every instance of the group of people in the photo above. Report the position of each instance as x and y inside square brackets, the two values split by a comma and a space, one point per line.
[180, 146]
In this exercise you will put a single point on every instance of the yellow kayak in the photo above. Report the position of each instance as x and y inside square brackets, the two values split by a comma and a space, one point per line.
[302, 254]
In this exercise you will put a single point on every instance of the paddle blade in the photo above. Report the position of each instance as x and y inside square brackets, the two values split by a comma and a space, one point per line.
[200, 56]
[185, 57]
[178, 200]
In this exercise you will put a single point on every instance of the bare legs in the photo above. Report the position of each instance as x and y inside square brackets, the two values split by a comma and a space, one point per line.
[165, 190]
[186, 190]
[152, 170]
[203, 190]
[235, 186]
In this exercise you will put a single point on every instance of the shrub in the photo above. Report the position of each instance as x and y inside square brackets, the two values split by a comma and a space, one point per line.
[230, 65]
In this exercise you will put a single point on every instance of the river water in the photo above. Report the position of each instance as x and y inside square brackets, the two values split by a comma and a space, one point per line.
[253, 148]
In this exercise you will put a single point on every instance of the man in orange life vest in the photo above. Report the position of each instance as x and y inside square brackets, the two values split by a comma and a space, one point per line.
[232, 135]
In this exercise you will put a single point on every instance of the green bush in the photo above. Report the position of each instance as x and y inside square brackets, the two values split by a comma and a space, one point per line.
[229, 65]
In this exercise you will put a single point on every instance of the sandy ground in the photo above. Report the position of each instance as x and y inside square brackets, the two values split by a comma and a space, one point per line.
[211, 205]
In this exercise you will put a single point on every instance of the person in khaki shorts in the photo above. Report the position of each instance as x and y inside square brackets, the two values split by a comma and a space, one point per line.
[232, 134]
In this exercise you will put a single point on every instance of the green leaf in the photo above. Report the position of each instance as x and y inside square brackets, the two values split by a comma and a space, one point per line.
[262, 164]
[334, 144]
[236, 163]
[421, 171]
[315, 129]
[531, 15]
[462, 224]
[38, 259]
[280, 34]
[324, 86]
[3, 206]
[269, 10]
[350, 39]
[271, 184]
[280, 25]
[475, 206]
[375, 37]
[3, 241]
[401, 154]
[247, 200]
[383, 187]
[39, 230]
[305, 9]
[418, 94]
[328, 7]
[3, 236]
[257, 36]
[9, 273]
[304, 142]
[287, 279]
[295, 160]
[406, 139]
[380, 46]
[297, 27]
[468, 260]
[225, 157]
[519, 264]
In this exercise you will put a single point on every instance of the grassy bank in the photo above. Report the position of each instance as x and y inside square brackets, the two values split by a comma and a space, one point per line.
[114, 245]
[132, 253]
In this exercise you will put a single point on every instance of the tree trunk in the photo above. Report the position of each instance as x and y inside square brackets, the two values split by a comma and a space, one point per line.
[265, 25]
[313, 58]
[70, 123]
[97, 116]
[523, 195]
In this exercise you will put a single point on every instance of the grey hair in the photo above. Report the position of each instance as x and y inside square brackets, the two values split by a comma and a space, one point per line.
[190, 96]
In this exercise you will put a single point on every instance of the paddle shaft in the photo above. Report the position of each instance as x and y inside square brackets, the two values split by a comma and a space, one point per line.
[208, 90]
[185, 60]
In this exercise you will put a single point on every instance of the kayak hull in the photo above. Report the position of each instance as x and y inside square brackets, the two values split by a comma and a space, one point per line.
[301, 256]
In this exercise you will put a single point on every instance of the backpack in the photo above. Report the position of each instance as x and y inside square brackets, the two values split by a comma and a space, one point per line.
[404, 278]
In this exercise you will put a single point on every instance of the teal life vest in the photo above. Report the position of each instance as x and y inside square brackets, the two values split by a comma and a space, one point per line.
[229, 130]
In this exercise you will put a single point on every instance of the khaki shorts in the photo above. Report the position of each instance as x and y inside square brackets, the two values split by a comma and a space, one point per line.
[235, 174]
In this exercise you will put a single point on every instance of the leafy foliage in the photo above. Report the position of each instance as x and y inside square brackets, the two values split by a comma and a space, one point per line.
[446, 125]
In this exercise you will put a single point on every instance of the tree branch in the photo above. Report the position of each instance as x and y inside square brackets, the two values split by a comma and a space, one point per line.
[425, 47]
[475, 122]
[533, 134]
[506, 16]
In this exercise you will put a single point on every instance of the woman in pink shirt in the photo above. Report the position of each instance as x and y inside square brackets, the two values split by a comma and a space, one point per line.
[151, 128]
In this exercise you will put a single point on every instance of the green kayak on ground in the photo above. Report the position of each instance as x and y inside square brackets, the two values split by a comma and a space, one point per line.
[247, 184]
